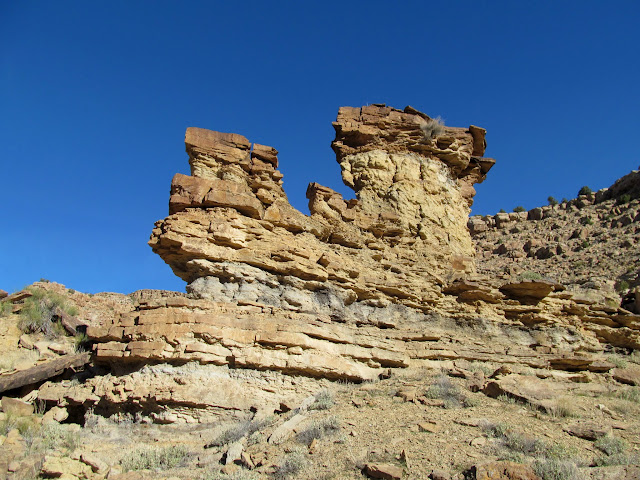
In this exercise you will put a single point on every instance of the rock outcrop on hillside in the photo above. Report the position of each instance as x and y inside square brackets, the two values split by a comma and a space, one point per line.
[589, 244]
[439, 329]
[356, 287]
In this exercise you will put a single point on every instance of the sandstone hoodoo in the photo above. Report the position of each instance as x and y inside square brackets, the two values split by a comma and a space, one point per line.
[402, 237]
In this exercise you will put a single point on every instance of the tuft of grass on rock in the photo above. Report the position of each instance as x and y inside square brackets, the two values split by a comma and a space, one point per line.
[432, 128]
[155, 458]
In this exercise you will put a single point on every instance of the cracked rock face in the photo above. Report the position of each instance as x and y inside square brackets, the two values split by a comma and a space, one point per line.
[233, 235]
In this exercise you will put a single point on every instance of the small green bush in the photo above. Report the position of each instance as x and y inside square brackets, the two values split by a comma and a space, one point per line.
[55, 437]
[502, 210]
[519, 208]
[552, 200]
[530, 275]
[622, 199]
[155, 458]
[585, 191]
[622, 285]
[81, 343]
[39, 312]
[564, 200]
[619, 362]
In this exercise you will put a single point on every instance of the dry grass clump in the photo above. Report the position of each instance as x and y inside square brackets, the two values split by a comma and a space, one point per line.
[551, 462]
[54, 437]
[561, 408]
[318, 429]
[292, 464]
[444, 389]
[242, 429]
[323, 400]
[614, 452]
[155, 458]
[5, 308]
[618, 361]
[432, 128]
[631, 394]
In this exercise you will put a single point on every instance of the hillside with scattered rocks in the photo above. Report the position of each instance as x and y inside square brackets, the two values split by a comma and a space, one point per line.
[389, 336]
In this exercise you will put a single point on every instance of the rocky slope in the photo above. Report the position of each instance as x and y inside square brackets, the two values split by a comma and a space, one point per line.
[589, 244]
[385, 337]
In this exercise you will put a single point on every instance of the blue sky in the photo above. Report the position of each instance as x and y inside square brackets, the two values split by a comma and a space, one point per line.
[95, 98]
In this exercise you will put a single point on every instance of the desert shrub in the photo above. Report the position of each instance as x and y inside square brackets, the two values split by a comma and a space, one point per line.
[432, 128]
[621, 286]
[155, 458]
[519, 208]
[585, 191]
[619, 362]
[622, 199]
[556, 469]
[552, 200]
[483, 367]
[5, 308]
[444, 389]
[502, 210]
[507, 399]
[292, 464]
[564, 200]
[529, 275]
[81, 342]
[610, 445]
[55, 437]
[631, 394]
[561, 408]
[318, 429]
[324, 400]
[241, 429]
[614, 450]
[11, 421]
[39, 312]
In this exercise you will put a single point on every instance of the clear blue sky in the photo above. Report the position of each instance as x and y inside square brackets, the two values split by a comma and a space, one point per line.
[95, 98]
